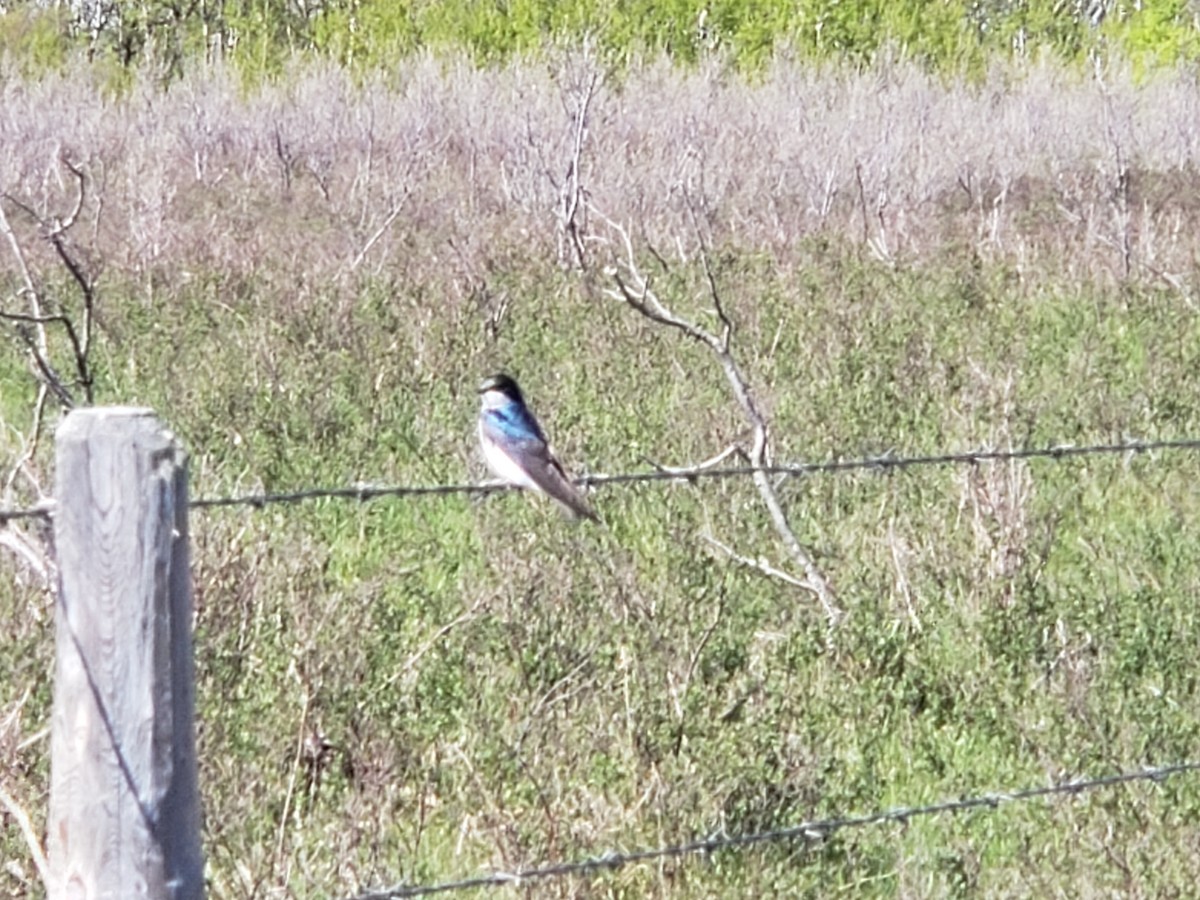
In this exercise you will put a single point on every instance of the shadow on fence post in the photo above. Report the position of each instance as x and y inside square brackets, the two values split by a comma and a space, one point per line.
[124, 808]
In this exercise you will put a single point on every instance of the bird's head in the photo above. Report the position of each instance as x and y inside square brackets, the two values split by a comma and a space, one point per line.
[500, 388]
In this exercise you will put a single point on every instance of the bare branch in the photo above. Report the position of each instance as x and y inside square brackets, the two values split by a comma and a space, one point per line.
[49, 376]
[287, 160]
[55, 231]
[379, 232]
[31, 839]
[573, 192]
[759, 564]
[687, 471]
[72, 335]
[64, 226]
[58, 238]
[34, 297]
[726, 325]
[31, 444]
[634, 289]
[35, 557]
[862, 202]
[39, 347]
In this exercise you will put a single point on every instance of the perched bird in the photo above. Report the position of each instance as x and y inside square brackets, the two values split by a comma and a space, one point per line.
[516, 448]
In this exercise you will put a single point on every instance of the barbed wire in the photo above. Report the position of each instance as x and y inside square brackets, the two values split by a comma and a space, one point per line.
[364, 492]
[41, 511]
[809, 832]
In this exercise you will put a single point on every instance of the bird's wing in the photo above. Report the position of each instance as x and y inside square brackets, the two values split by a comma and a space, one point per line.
[547, 474]
[515, 434]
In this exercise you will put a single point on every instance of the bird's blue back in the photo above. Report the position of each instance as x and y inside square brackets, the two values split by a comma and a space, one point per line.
[513, 423]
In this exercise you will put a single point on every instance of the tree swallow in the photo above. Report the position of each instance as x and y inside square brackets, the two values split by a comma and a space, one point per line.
[516, 448]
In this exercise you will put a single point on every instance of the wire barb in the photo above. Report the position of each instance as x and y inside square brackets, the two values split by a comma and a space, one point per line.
[41, 511]
[809, 832]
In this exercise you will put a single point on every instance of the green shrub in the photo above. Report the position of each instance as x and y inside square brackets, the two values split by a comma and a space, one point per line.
[1160, 34]
[260, 35]
[34, 39]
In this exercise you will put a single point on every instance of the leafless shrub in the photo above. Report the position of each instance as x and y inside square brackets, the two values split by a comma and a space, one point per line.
[384, 174]
[60, 362]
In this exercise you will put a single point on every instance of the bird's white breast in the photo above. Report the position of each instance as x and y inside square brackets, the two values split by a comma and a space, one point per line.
[504, 466]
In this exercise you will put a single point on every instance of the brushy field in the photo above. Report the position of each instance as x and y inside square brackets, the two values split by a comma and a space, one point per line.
[307, 283]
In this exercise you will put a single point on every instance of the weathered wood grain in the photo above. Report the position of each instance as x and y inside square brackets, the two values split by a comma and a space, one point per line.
[124, 809]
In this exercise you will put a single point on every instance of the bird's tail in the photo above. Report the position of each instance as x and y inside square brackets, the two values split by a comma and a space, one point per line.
[560, 488]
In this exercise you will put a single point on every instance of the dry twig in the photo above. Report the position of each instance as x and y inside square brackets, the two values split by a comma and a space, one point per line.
[31, 839]
[572, 193]
[633, 289]
[55, 232]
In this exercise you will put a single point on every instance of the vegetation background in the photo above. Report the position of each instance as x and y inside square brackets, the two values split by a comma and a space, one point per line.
[311, 228]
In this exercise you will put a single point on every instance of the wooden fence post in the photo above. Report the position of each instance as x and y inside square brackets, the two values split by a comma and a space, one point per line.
[124, 806]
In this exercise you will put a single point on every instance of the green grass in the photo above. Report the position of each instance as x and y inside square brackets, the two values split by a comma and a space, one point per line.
[502, 688]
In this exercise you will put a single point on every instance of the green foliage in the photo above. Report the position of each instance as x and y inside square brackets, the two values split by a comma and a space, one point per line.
[934, 33]
[1160, 34]
[1031, 27]
[33, 39]
[261, 35]
[370, 34]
